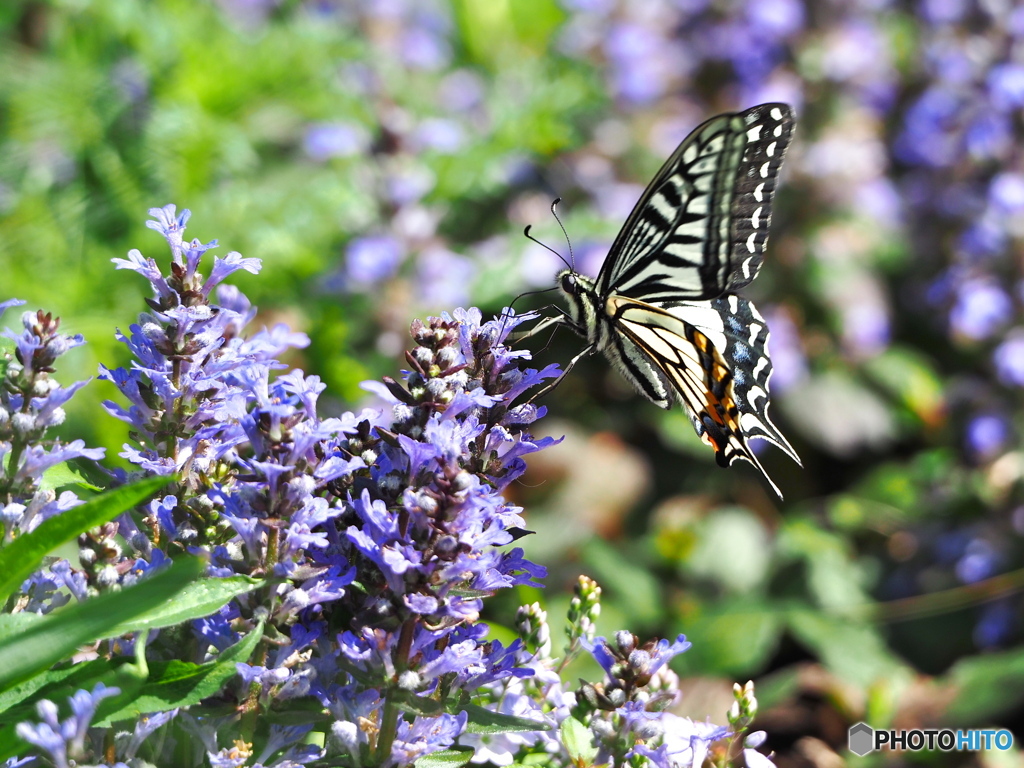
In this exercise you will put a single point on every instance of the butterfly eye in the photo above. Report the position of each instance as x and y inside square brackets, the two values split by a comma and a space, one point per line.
[568, 283]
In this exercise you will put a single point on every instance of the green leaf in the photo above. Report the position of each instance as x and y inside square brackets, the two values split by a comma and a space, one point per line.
[854, 651]
[56, 636]
[446, 758]
[419, 705]
[911, 377]
[624, 577]
[196, 600]
[578, 741]
[54, 684]
[732, 549]
[731, 637]
[178, 684]
[986, 687]
[834, 578]
[66, 474]
[483, 720]
[22, 556]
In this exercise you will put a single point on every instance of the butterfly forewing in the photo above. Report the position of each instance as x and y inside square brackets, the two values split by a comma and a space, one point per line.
[682, 239]
[769, 128]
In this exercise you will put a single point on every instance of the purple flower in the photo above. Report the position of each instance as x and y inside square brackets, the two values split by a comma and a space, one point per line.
[981, 308]
[5, 305]
[65, 739]
[979, 561]
[1009, 359]
[369, 260]
[440, 135]
[987, 435]
[1006, 83]
[1007, 192]
[339, 139]
[424, 736]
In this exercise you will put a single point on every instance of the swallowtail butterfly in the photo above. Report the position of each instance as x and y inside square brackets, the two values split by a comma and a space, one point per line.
[664, 310]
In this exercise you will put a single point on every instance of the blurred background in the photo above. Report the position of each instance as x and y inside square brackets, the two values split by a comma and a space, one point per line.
[382, 158]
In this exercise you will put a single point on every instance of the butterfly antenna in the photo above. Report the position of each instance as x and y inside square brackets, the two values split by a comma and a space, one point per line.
[526, 233]
[554, 213]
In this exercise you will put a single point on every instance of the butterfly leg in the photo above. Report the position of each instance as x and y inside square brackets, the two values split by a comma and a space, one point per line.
[547, 322]
[588, 350]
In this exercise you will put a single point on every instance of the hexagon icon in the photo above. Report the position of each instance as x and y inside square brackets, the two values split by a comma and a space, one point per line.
[861, 739]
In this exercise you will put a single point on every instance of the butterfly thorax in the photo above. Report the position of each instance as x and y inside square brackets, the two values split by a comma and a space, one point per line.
[586, 314]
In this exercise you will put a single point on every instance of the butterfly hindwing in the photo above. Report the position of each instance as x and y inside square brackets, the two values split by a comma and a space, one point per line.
[713, 356]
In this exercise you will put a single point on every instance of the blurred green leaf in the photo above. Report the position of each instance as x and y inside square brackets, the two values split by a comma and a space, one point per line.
[624, 578]
[834, 579]
[985, 687]
[446, 758]
[910, 377]
[853, 651]
[732, 549]
[731, 637]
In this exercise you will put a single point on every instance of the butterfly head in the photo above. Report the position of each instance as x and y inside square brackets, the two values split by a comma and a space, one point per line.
[569, 282]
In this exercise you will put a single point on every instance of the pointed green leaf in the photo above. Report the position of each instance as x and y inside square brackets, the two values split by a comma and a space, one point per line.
[445, 758]
[578, 741]
[22, 556]
[56, 636]
[483, 720]
[54, 684]
[196, 600]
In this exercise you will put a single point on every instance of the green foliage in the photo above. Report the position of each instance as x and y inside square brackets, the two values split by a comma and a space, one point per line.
[29, 647]
[22, 556]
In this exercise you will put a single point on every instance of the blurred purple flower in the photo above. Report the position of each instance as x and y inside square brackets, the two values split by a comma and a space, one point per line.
[997, 625]
[408, 184]
[987, 435]
[371, 259]
[943, 11]
[982, 307]
[425, 48]
[461, 91]
[444, 277]
[866, 328]
[989, 135]
[776, 17]
[643, 61]
[339, 139]
[927, 137]
[1006, 84]
[1009, 359]
[789, 363]
[440, 135]
[1007, 192]
[980, 561]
